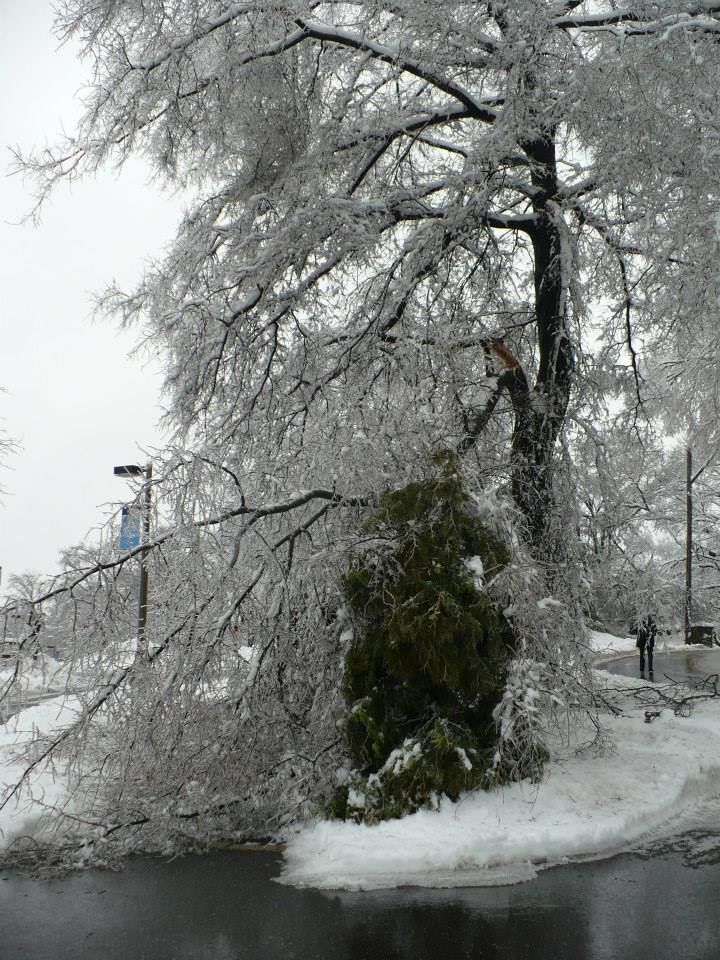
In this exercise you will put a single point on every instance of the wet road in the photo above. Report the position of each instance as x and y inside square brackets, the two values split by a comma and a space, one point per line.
[661, 904]
[679, 665]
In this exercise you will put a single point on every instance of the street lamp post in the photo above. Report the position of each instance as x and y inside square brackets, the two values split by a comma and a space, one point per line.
[133, 470]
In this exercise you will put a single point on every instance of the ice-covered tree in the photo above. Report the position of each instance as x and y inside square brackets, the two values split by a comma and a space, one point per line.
[411, 226]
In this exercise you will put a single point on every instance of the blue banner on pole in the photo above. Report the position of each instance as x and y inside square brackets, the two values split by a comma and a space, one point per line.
[129, 529]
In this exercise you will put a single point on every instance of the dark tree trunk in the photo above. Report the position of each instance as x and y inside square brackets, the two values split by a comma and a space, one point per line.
[539, 411]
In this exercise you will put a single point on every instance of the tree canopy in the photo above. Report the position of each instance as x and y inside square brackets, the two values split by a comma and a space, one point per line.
[385, 190]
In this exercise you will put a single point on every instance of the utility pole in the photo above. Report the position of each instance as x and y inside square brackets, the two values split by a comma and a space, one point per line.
[688, 544]
[690, 480]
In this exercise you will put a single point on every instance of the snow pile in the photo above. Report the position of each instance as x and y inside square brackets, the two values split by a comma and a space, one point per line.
[591, 804]
[45, 787]
[34, 675]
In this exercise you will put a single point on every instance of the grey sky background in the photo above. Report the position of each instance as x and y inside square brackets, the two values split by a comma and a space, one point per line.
[75, 400]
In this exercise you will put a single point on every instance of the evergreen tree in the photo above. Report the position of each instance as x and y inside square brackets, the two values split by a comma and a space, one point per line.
[427, 665]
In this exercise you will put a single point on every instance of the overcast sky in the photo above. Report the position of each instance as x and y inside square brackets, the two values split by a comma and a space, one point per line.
[75, 400]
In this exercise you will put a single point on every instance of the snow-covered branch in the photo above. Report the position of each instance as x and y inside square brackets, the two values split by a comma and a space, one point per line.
[479, 109]
[632, 22]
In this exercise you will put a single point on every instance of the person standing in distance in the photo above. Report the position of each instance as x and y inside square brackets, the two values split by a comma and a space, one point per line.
[647, 631]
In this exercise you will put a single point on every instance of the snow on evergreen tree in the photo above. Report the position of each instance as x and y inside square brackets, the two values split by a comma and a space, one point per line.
[430, 653]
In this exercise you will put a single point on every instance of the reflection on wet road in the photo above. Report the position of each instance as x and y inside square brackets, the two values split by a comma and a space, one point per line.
[682, 666]
[657, 905]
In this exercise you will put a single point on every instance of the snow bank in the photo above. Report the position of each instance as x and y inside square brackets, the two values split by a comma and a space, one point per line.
[45, 787]
[35, 675]
[589, 805]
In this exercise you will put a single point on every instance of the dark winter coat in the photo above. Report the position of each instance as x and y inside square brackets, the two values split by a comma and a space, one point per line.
[647, 632]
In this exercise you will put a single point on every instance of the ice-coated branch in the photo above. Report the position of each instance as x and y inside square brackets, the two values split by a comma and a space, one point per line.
[477, 108]
[254, 514]
[632, 22]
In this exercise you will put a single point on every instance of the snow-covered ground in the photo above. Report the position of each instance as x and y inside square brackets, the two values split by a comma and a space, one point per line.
[23, 813]
[40, 686]
[592, 802]
[40, 675]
